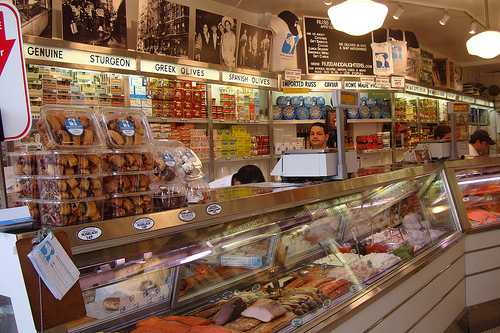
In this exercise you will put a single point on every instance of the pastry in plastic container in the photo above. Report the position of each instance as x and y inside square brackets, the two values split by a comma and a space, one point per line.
[125, 128]
[23, 162]
[70, 212]
[169, 196]
[123, 160]
[190, 164]
[166, 164]
[126, 182]
[70, 187]
[122, 205]
[63, 127]
[24, 187]
[198, 191]
[33, 206]
[63, 163]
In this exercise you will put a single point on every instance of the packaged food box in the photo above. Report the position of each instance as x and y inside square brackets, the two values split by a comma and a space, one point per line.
[127, 182]
[125, 128]
[24, 162]
[127, 205]
[60, 163]
[126, 160]
[24, 187]
[69, 187]
[169, 196]
[74, 127]
[70, 212]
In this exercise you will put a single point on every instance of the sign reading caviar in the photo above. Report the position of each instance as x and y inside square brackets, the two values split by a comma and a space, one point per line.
[329, 51]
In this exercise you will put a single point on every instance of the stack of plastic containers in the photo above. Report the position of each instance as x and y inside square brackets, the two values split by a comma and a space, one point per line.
[127, 163]
[69, 168]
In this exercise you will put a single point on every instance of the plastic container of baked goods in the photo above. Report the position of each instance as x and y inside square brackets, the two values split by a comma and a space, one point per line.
[24, 162]
[70, 187]
[126, 182]
[166, 164]
[169, 196]
[70, 162]
[24, 187]
[197, 191]
[122, 205]
[126, 160]
[70, 212]
[125, 128]
[69, 127]
[190, 164]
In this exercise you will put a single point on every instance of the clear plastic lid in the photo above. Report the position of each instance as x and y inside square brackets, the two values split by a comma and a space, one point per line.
[167, 161]
[169, 196]
[125, 128]
[191, 166]
[74, 127]
[198, 191]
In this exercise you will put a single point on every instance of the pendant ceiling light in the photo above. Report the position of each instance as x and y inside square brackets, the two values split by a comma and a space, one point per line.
[357, 17]
[487, 43]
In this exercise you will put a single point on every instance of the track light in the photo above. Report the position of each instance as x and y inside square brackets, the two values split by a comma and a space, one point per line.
[473, 27]
[445, 18]
[398, 12]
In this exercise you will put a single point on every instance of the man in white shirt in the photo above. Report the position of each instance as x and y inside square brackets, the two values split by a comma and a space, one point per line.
[479, 143]
[246, 174]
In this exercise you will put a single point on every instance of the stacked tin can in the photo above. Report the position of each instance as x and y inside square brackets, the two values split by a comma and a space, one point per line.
[127, 163]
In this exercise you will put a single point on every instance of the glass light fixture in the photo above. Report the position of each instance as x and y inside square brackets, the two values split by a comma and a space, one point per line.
[473, 27]
[357, 17]
[445, 18]
[398, 12]
[485, 45]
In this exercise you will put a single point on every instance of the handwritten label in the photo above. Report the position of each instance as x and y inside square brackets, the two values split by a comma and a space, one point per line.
[293, 74]
[397, 82]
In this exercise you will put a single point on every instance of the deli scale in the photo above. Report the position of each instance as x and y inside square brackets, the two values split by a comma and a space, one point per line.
[329, 164]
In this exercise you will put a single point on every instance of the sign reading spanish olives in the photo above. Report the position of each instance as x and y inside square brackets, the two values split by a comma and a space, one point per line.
[329, 51]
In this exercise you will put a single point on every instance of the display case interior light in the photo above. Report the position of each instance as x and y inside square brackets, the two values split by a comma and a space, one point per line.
[475, 181]
[357, 17]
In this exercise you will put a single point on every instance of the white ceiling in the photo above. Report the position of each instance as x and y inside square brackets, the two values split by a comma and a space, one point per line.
[448, 40]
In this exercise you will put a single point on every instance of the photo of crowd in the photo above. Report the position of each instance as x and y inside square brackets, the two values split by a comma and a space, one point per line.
[215, 39]
[254, 47]
[95, 22]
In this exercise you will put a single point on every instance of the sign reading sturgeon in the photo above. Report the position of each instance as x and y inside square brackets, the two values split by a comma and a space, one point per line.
[14, 97]
[329, 51]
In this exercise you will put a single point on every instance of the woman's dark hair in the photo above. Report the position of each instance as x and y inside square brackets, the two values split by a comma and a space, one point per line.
[248, 174]
[319, 124]
[441, 130]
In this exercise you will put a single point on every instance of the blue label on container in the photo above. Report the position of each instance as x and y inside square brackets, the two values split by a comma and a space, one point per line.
[302, 112]
[386, 111]
[353, 113]
[320, 101]
[168, 159]
[315, 112]
[127, 128]
[190, 155]
[370, 102]
[308, 101]
[74, 126]
[295, 101]
[276, 112]
[289, 112]
[364, 112]
[281, 101]
[375, 111]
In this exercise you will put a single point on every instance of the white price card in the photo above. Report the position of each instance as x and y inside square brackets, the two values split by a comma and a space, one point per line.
[54, 266]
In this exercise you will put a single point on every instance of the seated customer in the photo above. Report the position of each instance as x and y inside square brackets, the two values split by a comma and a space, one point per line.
[442, 132]
[479, 143]
[246, 174]
[318, 135]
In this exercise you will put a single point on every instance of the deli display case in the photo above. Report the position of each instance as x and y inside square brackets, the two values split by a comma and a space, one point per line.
[278, 261]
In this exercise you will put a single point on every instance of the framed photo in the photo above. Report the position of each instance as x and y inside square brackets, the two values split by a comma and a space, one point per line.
[163, 28]
[215, 39]
[254, 47]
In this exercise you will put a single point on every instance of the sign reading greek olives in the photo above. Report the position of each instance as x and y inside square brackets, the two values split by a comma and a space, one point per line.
[329, 51]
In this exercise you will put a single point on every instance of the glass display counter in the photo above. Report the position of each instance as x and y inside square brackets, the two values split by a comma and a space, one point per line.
[275, 261]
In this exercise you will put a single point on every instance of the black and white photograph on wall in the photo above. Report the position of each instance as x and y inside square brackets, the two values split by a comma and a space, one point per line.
[215, 39]
[36, 17]
[254, 47]
[163, 28]
[95, 22]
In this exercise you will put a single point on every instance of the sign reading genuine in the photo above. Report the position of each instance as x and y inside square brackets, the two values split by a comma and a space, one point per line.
[57, 54]
[177, 69]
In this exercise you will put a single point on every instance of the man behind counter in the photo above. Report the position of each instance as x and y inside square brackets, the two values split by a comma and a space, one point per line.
[479, 143]
[442, 132]
[318, 135]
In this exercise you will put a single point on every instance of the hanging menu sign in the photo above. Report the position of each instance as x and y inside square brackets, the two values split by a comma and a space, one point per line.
[178, 69]
[329, 51]
[359, 85]
[437, 93]
[467, 99]
[39, 52]
[312, 84]
[416, 89]
[249, 79]
[451, 96]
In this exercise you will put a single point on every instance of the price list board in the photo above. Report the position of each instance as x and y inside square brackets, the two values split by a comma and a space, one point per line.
[329, 51]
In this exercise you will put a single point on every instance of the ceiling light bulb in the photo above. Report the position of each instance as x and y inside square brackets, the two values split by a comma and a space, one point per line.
[357, 17]
[445, 18]
[473, 27]
[398, 12]
[485, 45]
[328, 3]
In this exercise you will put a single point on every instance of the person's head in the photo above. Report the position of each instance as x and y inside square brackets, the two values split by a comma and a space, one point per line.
[214, 29]
[481, 141]
[221, 27]
[442, 132]
[205, 28]
[318, 135]
[227, 22]
[248, 174]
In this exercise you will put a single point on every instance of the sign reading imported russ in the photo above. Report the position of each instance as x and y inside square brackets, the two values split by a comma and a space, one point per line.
[329, 51]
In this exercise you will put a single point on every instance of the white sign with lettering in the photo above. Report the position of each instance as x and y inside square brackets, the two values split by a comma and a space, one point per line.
[311, 84]
[397, 81]
[451, 96]
[437, 93]
[293, 74]
[42, 52]
[249, 79]
[416, 89]
[467, 99]
[383, 82]
[359, 85]
[177, 69]
[367, 79]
